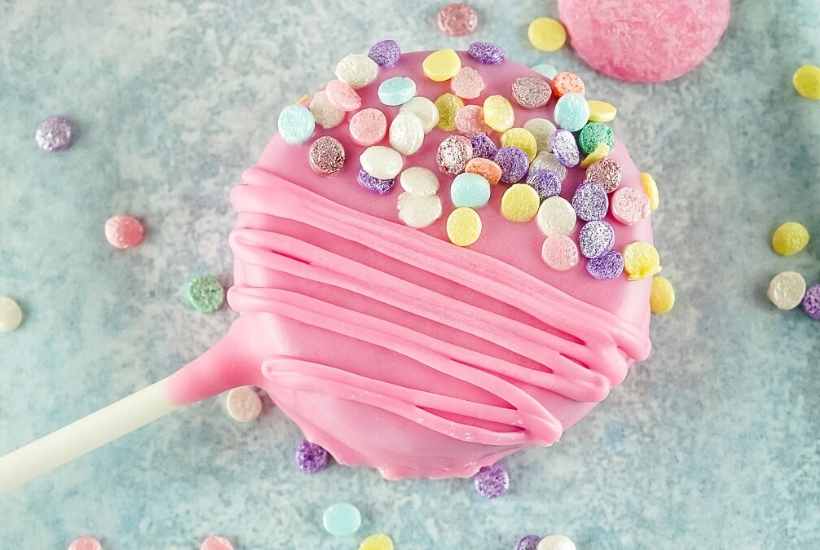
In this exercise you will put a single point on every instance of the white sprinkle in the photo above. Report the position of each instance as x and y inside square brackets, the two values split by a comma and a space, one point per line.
[327, 115]
[406, 133]
[358, 70]
[556, 542]
[423, 108]
[419, 181]
[417, 211]
[542, 129]
[556, 215]
[243, 404]
[786, 290]
[381, 162]
[10, 314]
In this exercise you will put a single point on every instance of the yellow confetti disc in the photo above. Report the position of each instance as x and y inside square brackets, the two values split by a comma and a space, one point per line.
[806, 81]
[790, 238]
[448, 105]
[498, 113]
[520, 203]
[463, 226]
[521, 138]
[601, 111]
[377, 542]
[641, 260]
[547, 34]
[662, 297]
[600, 153]
[441, 65]
[651, 190]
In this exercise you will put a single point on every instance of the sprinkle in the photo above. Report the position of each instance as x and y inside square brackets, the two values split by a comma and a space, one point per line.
[85, 543]
[629, 205]
[468, 83]
[492, 481]
[296, 124]
[448, 105]
[124, 231]
[594, 134]
[556, 215]
[470, 190]
[419, 181]
[520, 203]
[381, 162]
[545, 160]
[342, 96]
[326, 155]
[423, 108]
[651, 190]
[483, 146]
[571, 112]
[528, 542]
[376, 185]
[11, 315]
[662, 296]
[606, 173]
[607, 266]
[441, 65]
[600, 153]
[556, 542]
[377, 542]
[545, 182]
[463, 226]
[418, 211]
[513, 162]
[406, 133]
[811, 302]
[304, 101]
[565, 83]
[342, 519]
[790, 238]
[205, 293]
[311, 458]
[453, 153]
[542, 129]
[498, 113]
[521, 138]
[596, 238]
[484, 167]
[590, 202]
[397, 90]
[545, 69]
[559, 252]
[565, 149]
[326, 114]
[641, 260]
[54, 134]
[546, 34]
[368, 126]
[385, 53]
[486, 53]
[457, 19]
[806, 81]
[531, 92]
[601, 111]
[470, 120]
[358, 70]
[215, 542]
[243, 404]
[786, 290]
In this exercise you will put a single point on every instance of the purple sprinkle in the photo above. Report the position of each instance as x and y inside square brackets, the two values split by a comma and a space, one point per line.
[492, 481]
[311, 458]
[486, 53]
[54, 134]
[565, 148]
[546, 182]
[382, 187]
[590, 202]
[385, 53]
[513, 162]
[607, 266]
[811, 302]
[483, 146]
[596, 239]
[530, 542]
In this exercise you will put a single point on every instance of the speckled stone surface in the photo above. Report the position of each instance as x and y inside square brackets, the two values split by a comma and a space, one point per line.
[713, 443]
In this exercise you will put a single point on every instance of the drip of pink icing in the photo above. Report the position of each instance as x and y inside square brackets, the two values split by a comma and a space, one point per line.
[391, 347]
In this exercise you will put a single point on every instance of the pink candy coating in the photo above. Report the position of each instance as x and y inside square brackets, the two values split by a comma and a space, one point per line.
[468, 83]
[559, 252]
[470, 120]
[343, 96]
[214, 542]
[457, 19]
[124, 231]
[85, 543]
[368, 126]
[629, 205]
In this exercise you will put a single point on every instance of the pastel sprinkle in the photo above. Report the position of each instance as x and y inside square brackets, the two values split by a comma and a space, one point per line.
[790, 238]
[520, 203]
[542, 129]
[545, 183]
[596, 238]
[601, 111]
[484, 167]
[811, 302]
[566, 82]
[492, 481]
[565, 149]
[806, 81]
[528, 542]
[556, 215]
[385, 53]
[448, 105]
[296, 124]
[606, 173]
[629, 205]
[406, 133]
[324, 112]
[303, 100]
[470, 190]
[498, 113]
[453, 153]
[513, 162]
[470, 120]
[124, 231]
[326, 155]
[531, 92]
[243, 404]
[607, 266]
[375, 185]
[559, 252]
[662, 296]
[556, 542]
[547, 34]
[54, 134]
[483, 146]
[463, 226]
[419, 181]
[594, 134]
[545, 69]
[342, 519]
[600, 153]
[457, 19]
[85, 543]
[311, 458]
[358, 70]
[571, 112]
[590, 202]
[377, 542]
[651, 190]
[521, 138]
[343, 96]
[418, 211]
[486, 53]
[468, 83]
[441, 65]
[641, 260]
[397, 90]
[426, 110]
[545, 160]
[786, 290]
[205, 293]
[368, 126]
[381, 162]
[11, 314]
[214, 542]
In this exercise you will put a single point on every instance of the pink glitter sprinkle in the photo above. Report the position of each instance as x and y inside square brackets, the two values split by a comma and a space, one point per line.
[368, 126]
[457, 19]
[214, 542]
[124, 231]
[85, 543]
[470, 121]
[467, 84]
[629, 205]
[559, 252]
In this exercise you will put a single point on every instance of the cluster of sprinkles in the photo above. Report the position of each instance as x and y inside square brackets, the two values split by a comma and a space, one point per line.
[788, 289]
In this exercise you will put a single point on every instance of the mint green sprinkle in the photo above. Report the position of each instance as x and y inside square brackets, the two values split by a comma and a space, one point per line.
[342, 519]
[205, 293]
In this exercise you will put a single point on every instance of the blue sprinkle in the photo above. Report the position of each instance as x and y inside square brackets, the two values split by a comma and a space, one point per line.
[470, 190]
[342, 519]
[296, 124]
[397, 90]
[571, 112]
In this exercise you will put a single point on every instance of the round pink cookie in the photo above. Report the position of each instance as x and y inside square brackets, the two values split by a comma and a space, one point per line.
[644, 40]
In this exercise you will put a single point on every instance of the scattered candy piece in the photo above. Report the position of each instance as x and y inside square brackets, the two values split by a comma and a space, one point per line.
[556, 542]
[418, 211]
[492, 481]
[484, 167]
[606, 173]
[571, 112]
[470, 120]
[11, 315]
[406, 133]
[368, 126]
[559, 252]
[124, 231]
[304, 101]
[567, 83]
[545, 69]
[205, 293]
[468, 83]
[85, 543]
[381, 162]
[448, 105]
[545, 160]
[520, 203]
[607, 266]
[811, 302]
[556, 215]
[296, 124]
[441, 65]
[463, 226]
[311, 458]
[542, 129]
[528, 542]
[601, 111]
[521, 138]
[54, 134]
[397, 90]
[453, 154]
[641, 260]
[531, 92]
[457, 19]
[629, 205]
[470, 190]
[325, 113]
[385, 53]
[419, 181]
[423, 108]
[513, 162]
[786, 290]
[545, 183]
[600, 153]
[806, 81]
[590, 202]
[651, 190]
[376, 185]
[358, 70]
[546, 34]
[498, 113]
[342, 519]
[662, 297]
[486, 53]
[483, 146]
[790, 238]
[326, 155]
[215, 542]
[594, 134]
[343, 96]
[243, 404]
[565, 149]
[596, 239]
[377, 542]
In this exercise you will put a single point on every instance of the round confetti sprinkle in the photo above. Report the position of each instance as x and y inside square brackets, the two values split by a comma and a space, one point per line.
[811, 302]
[498, 113]
[607, 266]
[806, 81]
[565, 149]
[492, 481]
[406, 133]
[457, 19]
[453, 154]
[542, 129]
[368, 126]
[590, 202]
[601, 111]
[629, 205]
[641, 260]
[470, 120]
[311, 458]
[786, 290]
[545, 160]
[556, 542]
[571, 112]
[484, 167]
[376, 185]
[483, 146]
[520, 203]
[385, 53]
[463, 226]
[599, 154]
[470, 190]
[528, 542]
[296, 124]
[606, 173]
[486, 53]
[596, 239]
[790, 238]
[85, 543]
[545, 183]
[513, 162]
[326, 155]
[559, 252]
[377, 542]
[531, 92]
[651, 190]
[594, 134]
[521, 138]
[546, 34]
[243, 404]
[357, 70]
[419, 181]
[205, 293]
[441, 65]
[397, 90]
[342, 519]
[423, 108]
[567, 83]
[54, 134]
[468, 83]
[381, 162]
[418, 211]
[215, 542]
[325, 113]
[124, 231]
[342, 96]
[545, 69]
[448, 105]
[556, 215]
[11, 315]
[662, 296]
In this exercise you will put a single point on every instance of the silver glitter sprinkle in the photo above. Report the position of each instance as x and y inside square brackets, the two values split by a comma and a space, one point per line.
[453, 154]
[531, 92]
[54, 134]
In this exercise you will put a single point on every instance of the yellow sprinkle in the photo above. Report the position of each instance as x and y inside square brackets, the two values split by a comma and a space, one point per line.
[521, 138]
[790, 238]
[547, 34]
[662, 297]
[441, 65]
[498, 113]
[377, 542]
[651, 190]
[601, 111]
[520, 203]
[448, 105]
[641, 260]
[464, 226]
[806, 81]
[304, 100]
[600, 153]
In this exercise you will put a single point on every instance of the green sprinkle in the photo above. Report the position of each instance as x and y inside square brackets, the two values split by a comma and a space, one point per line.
[205, 293]
[342, 519]
[593, 134]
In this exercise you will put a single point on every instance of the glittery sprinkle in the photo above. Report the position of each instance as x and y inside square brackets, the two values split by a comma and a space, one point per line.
[54, 134]
[590, 202]
[376, 185]
[565, 149]
[531, 92]
[453, 154]
[205, 293]
[483, 146]
[596, 239]
[607, 266]
[457, 19]
[546, 182]
[492, 481]
[565, 83]
[593, 134]
[786, 290]
[470, 120]
[468, 83]
[311, 458]
[486, 53]
[606, 173]
[326, 155]
[513, 162]
[385, 53]
[529, 542]
[629, 205]
[215, 542]
[811, 302]
[546, 160]
[559, 252]
[85, 543]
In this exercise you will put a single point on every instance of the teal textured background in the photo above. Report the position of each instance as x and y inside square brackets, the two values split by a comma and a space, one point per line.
[712, 443]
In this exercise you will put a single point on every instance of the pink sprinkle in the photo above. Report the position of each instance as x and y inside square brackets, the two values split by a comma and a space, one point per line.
[559, 252]
[124, 231]
[457, 19]
[85, 543]
[214, 542]
[368, 126]
[467, 83]
[470, 120]
[343, 96]
[629, 205]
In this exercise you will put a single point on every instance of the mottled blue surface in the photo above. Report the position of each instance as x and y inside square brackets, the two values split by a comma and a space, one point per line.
[713, 443]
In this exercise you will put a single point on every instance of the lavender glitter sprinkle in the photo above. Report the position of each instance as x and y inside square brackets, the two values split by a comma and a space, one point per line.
[530, 542]
[385, 53]
[590, 202]
[492, 481]
[486, 53]
[811, 302]
[483, 146]
[311, 458]
[565, 148]
[54, 134]
[606, 173]
[605, 267]
[596, 239]
[513, 162]
[382, 187]
[546, 182]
